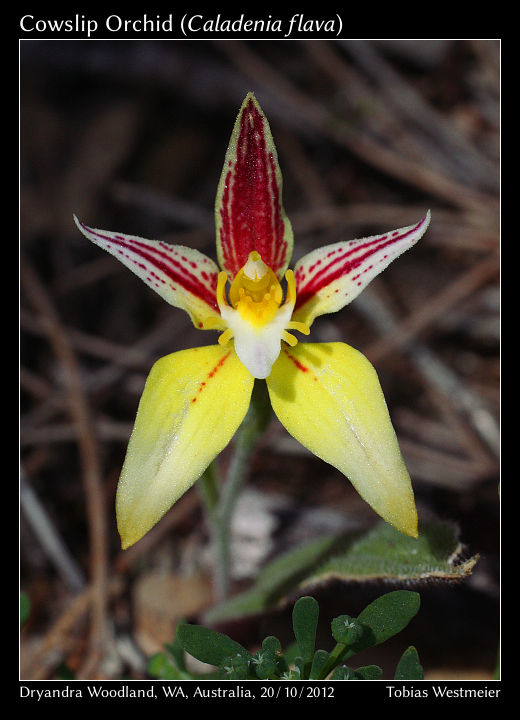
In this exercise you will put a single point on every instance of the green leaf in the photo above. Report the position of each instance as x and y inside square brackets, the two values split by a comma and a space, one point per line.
[265, 664]
[385, 617]
[291, 653]
[343, 672]
[409, 666]
[176, 651]
[346, 630]
[208, 645]
[305, 622]
[272, 643]
[369, 672]
[282, 666]
[234, 668]
[25, 607]
[318, 663]
[300, 666]
[163, 667]
[383, 553]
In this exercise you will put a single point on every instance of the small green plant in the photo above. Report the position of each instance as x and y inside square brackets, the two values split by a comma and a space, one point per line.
[25, 608]
[384, 617]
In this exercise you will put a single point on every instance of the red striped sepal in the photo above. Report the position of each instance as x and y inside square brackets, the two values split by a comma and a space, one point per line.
[330, 277]
[248, 209]
[182, 276]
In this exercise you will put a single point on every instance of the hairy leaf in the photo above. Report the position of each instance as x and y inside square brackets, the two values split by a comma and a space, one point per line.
[208, 645]
[409, 666]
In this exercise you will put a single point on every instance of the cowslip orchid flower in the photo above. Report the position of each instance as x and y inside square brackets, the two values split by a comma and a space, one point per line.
[327, 395]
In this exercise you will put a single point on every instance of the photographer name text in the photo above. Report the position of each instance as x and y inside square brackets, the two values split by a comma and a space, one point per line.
[441, 692]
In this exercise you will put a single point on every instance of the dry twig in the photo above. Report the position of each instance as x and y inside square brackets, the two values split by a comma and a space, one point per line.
[91, 470]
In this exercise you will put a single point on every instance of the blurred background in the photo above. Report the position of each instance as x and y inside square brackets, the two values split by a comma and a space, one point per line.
[131, 136]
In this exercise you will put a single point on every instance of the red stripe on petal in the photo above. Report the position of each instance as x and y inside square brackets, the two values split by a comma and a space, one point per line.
[296, 362]
[211, 374]
[250, 211]
[343, 262]
[164, 261]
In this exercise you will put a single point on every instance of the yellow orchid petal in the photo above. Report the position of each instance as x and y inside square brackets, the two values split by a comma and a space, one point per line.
[328, 397]
[192, 404]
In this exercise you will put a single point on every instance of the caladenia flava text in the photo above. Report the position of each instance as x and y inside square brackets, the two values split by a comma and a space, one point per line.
[327, 395]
